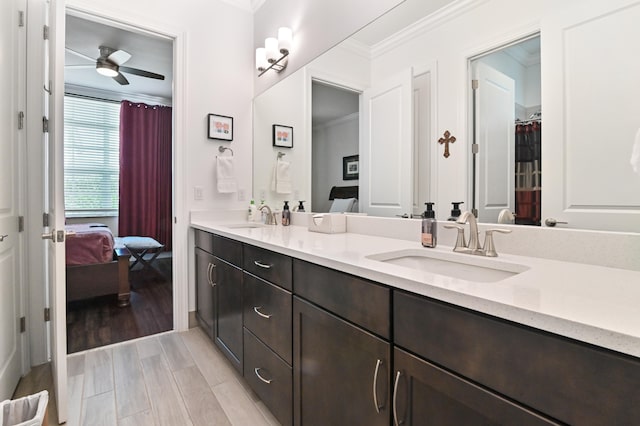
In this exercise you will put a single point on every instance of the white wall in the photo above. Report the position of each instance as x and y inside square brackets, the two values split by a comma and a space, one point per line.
[331, 142]
[317, 26]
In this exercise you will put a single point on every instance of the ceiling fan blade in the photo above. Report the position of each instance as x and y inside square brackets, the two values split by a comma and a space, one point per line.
[79, 67]
[81, 55]
[121, 79]
[142, 73]
[119, 57]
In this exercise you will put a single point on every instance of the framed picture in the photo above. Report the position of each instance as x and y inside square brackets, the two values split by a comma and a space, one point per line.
[282, 136]
[350, 167]
[220, 127]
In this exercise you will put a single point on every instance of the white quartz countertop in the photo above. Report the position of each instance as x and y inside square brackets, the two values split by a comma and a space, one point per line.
[593, 304]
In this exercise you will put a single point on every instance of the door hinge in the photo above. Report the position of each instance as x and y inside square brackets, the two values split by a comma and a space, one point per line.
[20, 223]
[45, 32]
[47, 314]
[45, 125]
[23, 324]
[475, 148]
[21, 18]
[21, 120]
[45, 219]
[474, 84]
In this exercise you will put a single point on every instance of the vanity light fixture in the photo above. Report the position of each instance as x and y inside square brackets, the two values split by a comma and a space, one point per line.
[275, 51]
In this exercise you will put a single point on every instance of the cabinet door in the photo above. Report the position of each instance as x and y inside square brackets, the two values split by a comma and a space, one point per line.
[341, 372]
[228, 311]
[427, 395]
[205, 291]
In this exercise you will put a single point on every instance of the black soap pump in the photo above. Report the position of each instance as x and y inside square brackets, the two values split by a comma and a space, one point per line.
[455, 211]
[286, 214]
[300, 206]
[429, 227]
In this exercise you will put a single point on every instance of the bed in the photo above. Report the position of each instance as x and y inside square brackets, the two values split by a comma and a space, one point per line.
[95, 265]
[344, 199]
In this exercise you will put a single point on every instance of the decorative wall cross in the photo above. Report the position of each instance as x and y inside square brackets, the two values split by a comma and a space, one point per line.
[446, 140]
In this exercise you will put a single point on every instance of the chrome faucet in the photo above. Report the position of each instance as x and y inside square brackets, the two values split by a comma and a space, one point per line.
[488, 249]
[271, 218]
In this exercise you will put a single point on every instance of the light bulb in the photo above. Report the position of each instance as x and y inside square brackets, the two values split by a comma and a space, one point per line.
[261, 59]
[285, 39]
[271, 48]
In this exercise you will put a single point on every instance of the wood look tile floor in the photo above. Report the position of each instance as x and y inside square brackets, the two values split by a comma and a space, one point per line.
[167, 379]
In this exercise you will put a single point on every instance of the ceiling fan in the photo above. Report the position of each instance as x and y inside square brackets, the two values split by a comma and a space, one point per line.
[110, 64]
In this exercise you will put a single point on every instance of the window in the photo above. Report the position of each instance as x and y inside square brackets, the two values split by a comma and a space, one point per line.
[91, 157]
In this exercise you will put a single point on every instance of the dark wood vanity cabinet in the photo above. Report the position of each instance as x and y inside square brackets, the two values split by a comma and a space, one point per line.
[219, 292]
[570, 381]
[341, 368]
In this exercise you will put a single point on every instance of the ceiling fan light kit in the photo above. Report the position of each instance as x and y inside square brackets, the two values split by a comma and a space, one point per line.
[110, 64]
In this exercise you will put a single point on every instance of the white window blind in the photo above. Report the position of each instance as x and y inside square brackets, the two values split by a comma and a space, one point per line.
[91, 157]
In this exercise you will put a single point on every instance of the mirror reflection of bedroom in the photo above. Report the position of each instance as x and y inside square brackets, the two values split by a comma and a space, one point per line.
[335, 122]
[118, 183]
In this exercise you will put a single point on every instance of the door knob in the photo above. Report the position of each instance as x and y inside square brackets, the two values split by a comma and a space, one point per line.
[56, 236]
[551, 222]
[2, 237]
[49, 235]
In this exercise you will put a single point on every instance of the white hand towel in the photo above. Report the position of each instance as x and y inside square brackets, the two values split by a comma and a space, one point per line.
[635, 154]
[225, 175]
[281, 181]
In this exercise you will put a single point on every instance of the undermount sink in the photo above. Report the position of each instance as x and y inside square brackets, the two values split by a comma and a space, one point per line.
[245, 225]
[454, 265]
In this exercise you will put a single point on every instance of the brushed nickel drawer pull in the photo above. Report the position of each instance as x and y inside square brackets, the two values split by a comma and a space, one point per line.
[256, 309]
[257, 371]
[262, 265]
[396, 422]
[375, 386]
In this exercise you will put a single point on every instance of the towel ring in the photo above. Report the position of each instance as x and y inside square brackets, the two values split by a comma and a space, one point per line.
[281, 154]
[222, 149]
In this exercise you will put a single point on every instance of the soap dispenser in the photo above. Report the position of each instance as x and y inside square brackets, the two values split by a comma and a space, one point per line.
[286, 214]
[300, 206]
[455, 211]
[429, 227]
[252, 213]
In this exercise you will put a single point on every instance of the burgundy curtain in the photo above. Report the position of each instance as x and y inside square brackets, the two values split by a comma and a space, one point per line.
[528, 173]
[145, 172]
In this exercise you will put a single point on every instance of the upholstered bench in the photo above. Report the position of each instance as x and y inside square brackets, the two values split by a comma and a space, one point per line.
[139, 247]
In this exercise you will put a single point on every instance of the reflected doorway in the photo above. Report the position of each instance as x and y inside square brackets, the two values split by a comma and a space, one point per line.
[507, 115]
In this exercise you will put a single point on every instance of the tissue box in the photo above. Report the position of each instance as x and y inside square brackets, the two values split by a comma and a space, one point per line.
[328, 223]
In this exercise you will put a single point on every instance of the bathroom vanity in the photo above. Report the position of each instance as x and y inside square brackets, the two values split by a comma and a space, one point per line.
[358, 329]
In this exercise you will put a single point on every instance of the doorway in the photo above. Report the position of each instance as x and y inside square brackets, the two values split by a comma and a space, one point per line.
[96, 161]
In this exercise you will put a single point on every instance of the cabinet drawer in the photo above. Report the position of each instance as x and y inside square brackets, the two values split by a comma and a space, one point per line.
[228, 250]
[362, 302]
[570, 381]
[270, 377]
[267, 314]
[271, 266]
[204, 240]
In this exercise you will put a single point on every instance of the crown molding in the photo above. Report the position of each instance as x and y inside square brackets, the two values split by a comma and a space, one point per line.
[356, 47]
[428, 23]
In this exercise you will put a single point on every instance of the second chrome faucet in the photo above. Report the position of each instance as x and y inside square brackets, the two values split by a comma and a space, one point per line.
[473, 247]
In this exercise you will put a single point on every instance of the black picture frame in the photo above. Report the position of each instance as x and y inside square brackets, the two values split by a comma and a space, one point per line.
[220, 127]
[350, 167]
[282, 136]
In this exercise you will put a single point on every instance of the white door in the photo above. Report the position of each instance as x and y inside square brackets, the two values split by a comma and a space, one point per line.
[54, 202]
[11, 37]
[386, 144]
[421, 142]
[588, 179]
[495, 109]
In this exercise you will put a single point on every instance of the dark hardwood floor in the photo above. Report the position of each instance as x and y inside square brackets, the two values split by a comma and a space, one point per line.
[99, 321]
